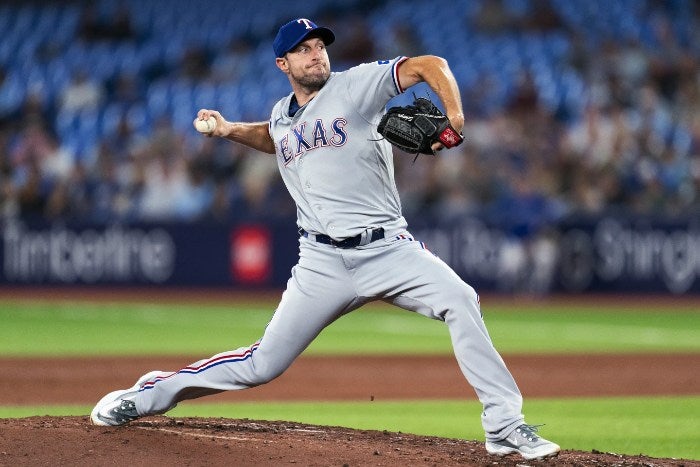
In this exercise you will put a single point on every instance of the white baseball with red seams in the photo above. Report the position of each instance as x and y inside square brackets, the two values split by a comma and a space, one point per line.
[205, 126]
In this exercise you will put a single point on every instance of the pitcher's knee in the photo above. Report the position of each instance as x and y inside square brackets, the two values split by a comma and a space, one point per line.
[464, 293]
[264, 373]
[463, 300]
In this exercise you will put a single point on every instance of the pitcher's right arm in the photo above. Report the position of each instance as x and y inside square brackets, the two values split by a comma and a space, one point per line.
[254, 135]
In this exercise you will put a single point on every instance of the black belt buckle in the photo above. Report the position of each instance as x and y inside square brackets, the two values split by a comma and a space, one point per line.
[377, 234]
[346, 243]
[355, 241]
[351, 242]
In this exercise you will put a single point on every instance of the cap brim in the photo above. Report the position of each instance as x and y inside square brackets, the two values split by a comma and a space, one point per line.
[325, 34]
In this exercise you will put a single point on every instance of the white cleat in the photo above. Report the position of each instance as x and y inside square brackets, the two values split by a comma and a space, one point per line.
[524, 441]
[118, 407]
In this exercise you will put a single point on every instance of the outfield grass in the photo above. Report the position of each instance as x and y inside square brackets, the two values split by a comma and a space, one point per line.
[65, 328]
[658, 427]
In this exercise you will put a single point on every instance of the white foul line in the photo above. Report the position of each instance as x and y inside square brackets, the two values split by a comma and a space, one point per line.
[201, 435]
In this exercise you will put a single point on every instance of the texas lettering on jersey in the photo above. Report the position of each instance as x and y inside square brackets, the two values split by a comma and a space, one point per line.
[305, 137]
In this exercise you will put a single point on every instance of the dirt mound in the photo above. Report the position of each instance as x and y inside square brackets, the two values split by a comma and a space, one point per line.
[161, 441]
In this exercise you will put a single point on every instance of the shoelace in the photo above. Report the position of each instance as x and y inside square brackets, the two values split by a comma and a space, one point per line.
[529, 432]
[122, 412]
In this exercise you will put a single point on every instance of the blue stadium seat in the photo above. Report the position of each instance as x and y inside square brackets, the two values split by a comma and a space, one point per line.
[109, 119]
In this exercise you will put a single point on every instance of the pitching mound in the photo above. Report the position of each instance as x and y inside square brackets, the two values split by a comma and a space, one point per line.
[161, 441]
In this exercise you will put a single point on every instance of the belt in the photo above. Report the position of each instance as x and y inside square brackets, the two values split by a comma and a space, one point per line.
[365, 238]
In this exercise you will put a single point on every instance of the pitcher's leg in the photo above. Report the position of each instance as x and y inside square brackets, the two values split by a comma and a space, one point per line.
[423, 283]
[479, 361]
[242, 368]
[310, 303]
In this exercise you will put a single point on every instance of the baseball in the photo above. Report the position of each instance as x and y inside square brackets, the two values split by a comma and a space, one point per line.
[205, 126]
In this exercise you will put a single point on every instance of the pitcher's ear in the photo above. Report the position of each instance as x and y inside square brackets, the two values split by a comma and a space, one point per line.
[282, 64]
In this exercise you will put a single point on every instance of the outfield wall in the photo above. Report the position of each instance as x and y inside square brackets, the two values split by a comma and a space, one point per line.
[607, 254]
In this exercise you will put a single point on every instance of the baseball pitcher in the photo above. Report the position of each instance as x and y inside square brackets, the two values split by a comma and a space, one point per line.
[332, 139]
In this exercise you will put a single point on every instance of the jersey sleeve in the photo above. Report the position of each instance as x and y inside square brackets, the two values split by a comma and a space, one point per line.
[276, 115]
[371, 85]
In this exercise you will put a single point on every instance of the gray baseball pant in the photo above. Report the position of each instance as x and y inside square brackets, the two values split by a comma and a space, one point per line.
[329, 282]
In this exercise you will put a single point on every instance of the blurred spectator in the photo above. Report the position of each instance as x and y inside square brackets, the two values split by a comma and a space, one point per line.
[234, 62]
[686, 101]
[456, 170]
[120, 27]
[120, 142]
[35, 109]
[525, 98]
[164, 168]
[103, 189]
[10, 98]
[81, 94]
[195, 64]
[666, 57]
[401, 40]
[592, 139]
[257, 182]
[193, 202]
[66, 199]
[543, 17]
[39, 165]
[357, 45]
[36, 145]
[493, 17]
[125, 90]
[692, 190]
[116, 26]
[8, 200]
[89, 27]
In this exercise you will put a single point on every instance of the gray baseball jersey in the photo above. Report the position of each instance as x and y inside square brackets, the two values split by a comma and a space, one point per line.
[335, 165]
[341, 178]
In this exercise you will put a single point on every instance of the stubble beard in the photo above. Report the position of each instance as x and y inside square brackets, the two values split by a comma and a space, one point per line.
[313, 81]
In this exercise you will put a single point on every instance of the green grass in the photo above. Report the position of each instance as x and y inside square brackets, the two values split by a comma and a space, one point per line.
[84, 328]
[658, 427]
[600, 330]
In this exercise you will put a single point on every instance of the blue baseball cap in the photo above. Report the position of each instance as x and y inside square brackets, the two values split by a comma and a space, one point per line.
[296, 31]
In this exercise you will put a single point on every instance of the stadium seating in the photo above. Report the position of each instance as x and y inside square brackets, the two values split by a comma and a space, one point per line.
[168, 42]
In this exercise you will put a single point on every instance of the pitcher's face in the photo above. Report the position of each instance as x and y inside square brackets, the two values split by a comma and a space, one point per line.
[307, 64]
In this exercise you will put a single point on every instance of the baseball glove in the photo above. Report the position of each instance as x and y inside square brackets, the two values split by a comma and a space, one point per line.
[414, 128]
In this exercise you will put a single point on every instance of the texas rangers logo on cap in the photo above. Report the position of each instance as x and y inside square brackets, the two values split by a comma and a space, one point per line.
[296, 31]
[307, 22]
